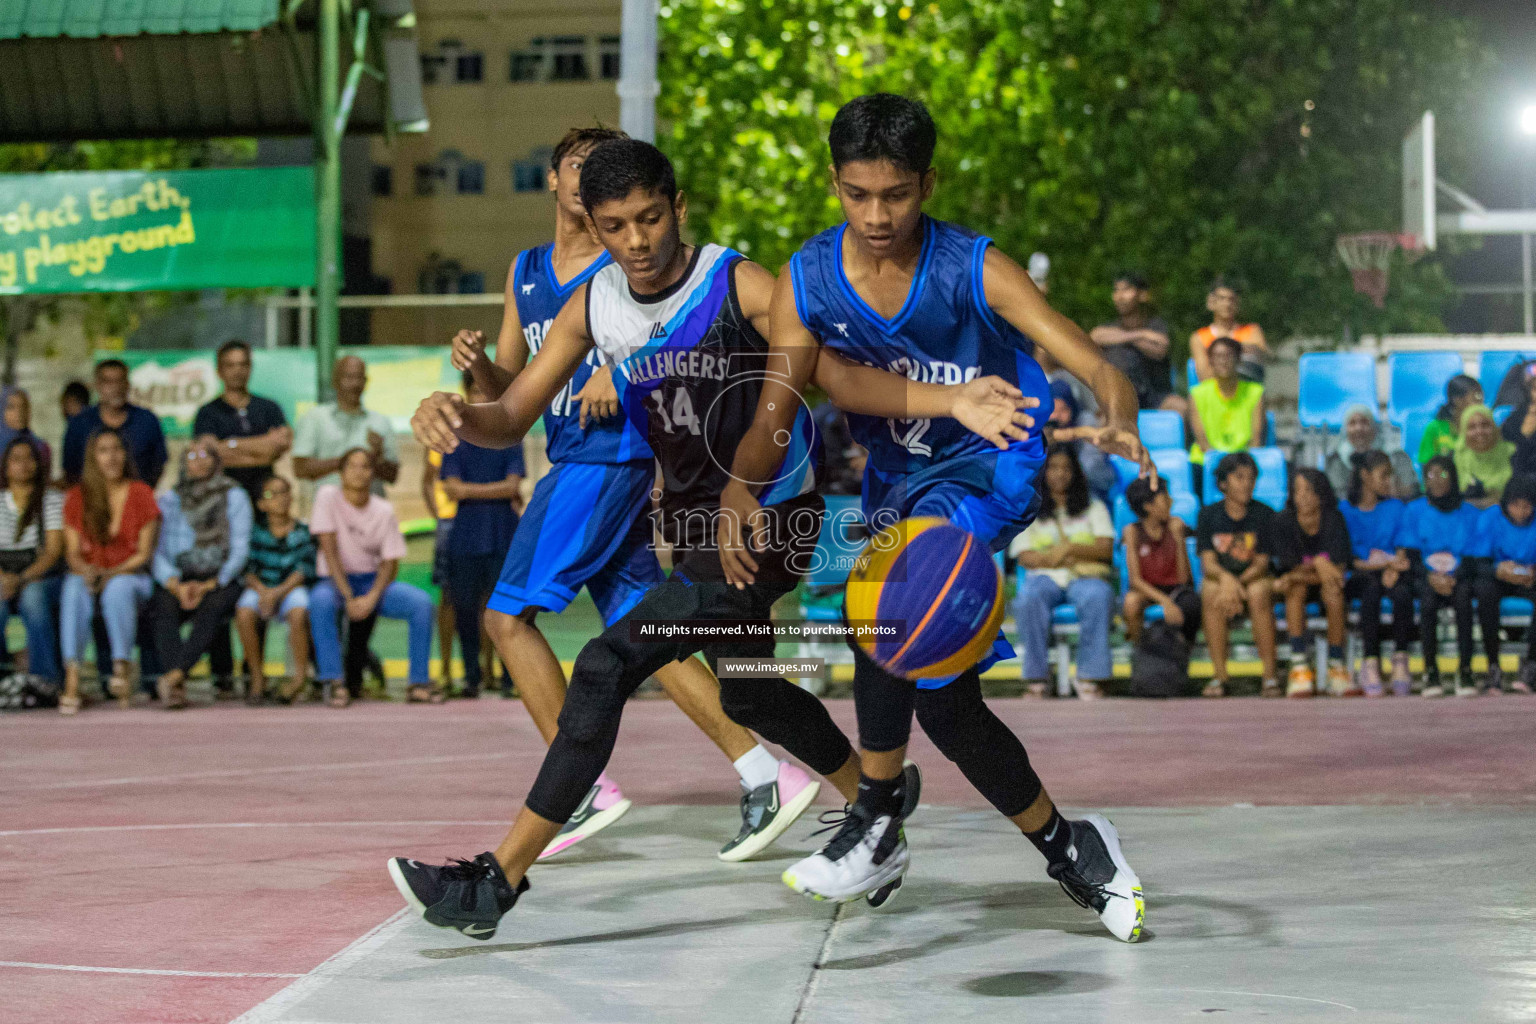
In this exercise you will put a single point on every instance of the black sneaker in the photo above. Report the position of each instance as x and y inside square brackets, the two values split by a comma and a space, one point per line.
[1527, 678]
[1493, 682]
[1096, 876]
[469, 896]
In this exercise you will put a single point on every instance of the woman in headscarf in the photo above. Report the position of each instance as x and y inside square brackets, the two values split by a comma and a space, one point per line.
[1482, 457]
[1362, 433]
[205, 541]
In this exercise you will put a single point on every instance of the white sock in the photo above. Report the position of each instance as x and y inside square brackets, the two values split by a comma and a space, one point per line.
[757, 767]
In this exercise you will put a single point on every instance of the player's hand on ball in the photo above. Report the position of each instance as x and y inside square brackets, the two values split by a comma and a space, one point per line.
[599, 398]
[994, 409]
[437, 420]
[740, 519]
[468, 350]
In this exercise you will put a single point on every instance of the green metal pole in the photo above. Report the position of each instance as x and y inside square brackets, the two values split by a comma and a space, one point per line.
[328, 202]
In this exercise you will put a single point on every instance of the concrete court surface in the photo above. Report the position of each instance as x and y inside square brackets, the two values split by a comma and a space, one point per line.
[226, 864]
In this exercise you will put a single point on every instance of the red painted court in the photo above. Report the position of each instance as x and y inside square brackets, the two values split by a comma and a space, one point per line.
[164, 868]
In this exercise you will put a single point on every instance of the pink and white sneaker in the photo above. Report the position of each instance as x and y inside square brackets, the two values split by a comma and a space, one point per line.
[770, 809]
[603, 805]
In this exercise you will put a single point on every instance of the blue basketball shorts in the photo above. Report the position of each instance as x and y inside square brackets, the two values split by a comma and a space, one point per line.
[586, 525]
[990, 495]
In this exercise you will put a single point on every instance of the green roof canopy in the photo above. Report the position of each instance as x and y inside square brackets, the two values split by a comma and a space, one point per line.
[89, 19]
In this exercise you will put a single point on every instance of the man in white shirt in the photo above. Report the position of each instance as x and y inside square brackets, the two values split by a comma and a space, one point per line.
[331, 429]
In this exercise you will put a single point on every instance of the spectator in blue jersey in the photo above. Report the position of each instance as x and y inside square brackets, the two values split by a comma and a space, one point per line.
[1312, 556]
[205, 540]
[1505, 557]
[138, 427]
[1380, 569]
[277, 582]
[1438, 531]
[486, 484]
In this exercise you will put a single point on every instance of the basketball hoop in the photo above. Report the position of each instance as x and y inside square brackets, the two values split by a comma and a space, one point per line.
[1368, 256]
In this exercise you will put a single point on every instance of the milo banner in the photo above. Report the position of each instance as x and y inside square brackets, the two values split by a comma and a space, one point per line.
[119, 231]
[173, 383]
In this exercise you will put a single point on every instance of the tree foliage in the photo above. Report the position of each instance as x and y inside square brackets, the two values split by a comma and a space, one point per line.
[1185, 138]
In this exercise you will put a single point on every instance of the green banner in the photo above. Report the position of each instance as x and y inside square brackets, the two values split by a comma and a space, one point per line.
[174, 382]
[120, 231]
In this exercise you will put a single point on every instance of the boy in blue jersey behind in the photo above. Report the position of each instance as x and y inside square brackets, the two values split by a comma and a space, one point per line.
[586, 522]
[895, 289]
[686, 326]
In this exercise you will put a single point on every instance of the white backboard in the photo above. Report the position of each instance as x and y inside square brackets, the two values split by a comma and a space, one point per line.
[1419, 181]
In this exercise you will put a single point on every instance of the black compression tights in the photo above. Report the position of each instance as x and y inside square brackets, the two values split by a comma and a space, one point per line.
[960, 724]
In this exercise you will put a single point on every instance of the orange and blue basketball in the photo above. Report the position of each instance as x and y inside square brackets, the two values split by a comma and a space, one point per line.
[939, 587]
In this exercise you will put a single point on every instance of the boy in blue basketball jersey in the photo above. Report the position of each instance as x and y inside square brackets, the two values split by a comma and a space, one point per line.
[893, 288]
[586, 522]
[686, 327]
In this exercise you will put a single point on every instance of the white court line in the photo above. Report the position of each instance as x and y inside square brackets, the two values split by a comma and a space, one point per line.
[238, 824]
[271, 1009]
[143, 970]
[240, 773]
[1264, 995]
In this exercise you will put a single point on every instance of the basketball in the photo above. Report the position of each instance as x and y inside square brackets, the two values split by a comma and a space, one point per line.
[940, 589]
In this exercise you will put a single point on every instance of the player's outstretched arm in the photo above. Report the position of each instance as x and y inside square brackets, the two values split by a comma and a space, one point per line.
[989, 406]
[444, 419]
[468, 349]
[1014, 297]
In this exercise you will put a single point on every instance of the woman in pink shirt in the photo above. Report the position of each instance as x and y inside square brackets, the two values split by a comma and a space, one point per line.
[360, 551]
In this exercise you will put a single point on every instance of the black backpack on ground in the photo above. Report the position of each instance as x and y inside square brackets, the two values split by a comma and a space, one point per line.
[1160, 663]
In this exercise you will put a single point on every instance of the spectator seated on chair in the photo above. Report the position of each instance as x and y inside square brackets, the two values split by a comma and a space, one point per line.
[1362, 433]
[205, 542]
[1379, 569]
[1504, 555]
[1438, 531]
[1520, 428]
[1226, 412]
[1484, 460]
[111, 523]
[277, 586]
[31, 553]
[1312, 556]
[360, 550]
[1066, 413]
[1223, 302]
[1233, 538]
[1440, 436]
[1069, 553]
[1157, 563]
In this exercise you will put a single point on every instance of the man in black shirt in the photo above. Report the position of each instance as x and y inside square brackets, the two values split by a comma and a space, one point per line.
[1137, 344]
[1234, 537]
[251, 430]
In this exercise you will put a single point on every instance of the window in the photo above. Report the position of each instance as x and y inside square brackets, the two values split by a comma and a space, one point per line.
[569, 59]
[472, 283]
[528, 175]
[441, 276]
[471, 177]
[382, 180]
[427, 177]
[528, 65]
[469, 67]
[433, 67]
[608, 57]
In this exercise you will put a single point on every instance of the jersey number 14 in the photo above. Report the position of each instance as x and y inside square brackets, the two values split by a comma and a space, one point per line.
[681, 417]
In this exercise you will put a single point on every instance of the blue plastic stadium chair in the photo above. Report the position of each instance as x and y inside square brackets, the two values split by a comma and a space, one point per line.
[1515, 608]
[1160, 428]
[1413, 431]
[1270, 437]
[841, 540]
[1196, 570]
[1331, 382]
[1173, 464]
[1187, 508]
[1501, 413]
[1417, 381]
[1493, 365]
[1190, 375]
[1062, 615]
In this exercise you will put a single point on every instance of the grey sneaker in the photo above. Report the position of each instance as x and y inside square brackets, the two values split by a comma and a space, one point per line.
[770, 809]
[1493, 682]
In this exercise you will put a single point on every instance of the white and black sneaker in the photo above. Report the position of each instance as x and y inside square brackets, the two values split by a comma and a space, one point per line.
[911, 793]
[1096, 876]
[469, 896]
[867, 855]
